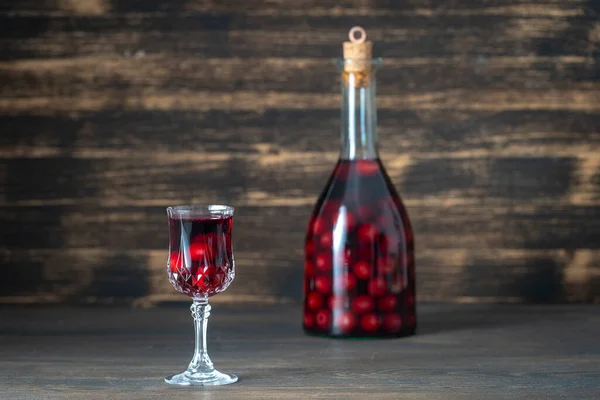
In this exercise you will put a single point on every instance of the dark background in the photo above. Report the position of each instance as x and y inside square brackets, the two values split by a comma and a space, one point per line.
[489, 123]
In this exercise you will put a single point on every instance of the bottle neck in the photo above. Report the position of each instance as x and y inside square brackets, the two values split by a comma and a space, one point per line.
[359, 117]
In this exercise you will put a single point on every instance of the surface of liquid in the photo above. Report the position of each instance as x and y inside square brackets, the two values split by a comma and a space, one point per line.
[359, 275]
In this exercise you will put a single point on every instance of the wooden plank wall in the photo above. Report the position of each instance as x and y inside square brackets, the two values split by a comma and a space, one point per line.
[111, 110]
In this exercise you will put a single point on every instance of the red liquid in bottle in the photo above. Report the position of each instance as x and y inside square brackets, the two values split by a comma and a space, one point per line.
[200, 255]
[359, 277]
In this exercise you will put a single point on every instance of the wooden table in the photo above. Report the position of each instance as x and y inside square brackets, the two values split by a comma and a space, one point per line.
[461, 351]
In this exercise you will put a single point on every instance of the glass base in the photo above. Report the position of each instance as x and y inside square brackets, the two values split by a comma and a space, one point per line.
[188, 378]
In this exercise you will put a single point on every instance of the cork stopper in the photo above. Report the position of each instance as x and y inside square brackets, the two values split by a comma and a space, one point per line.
[357, 58]
[359, 50]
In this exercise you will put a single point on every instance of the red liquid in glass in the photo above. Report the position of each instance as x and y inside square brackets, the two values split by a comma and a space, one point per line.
[359, 265]
[200, 255]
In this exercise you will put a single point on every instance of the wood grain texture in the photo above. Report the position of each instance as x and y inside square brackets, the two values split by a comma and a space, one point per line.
[460, 352]
[89, 275]
[489, 125]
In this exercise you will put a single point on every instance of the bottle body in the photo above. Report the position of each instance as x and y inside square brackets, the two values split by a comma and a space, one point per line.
[359, 265]
[359, 277]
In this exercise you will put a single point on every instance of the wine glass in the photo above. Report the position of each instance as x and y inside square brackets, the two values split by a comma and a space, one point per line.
[200, 265]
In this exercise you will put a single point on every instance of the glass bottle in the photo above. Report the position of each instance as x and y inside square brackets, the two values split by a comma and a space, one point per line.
[359, 277]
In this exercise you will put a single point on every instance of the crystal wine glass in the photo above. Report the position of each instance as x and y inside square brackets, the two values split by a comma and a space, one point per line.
[200, 265]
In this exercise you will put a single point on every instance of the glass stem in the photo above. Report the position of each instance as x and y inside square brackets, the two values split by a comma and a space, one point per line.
[201, 362]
